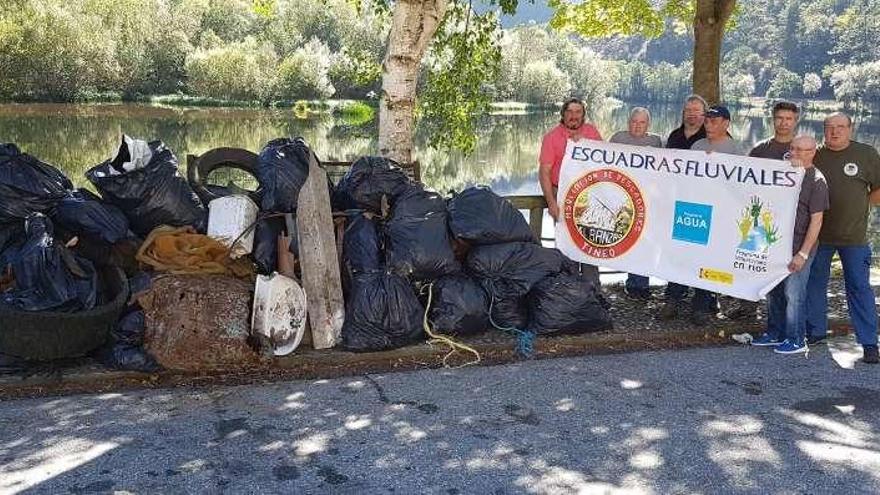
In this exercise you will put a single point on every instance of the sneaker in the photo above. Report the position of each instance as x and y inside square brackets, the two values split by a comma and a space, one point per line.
[669, 311]
[871, 355]
[815, 339]
[790, 347]
[766, 340]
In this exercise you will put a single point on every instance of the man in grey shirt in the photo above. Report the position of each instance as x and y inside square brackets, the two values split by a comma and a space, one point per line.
[717, 138]
[637, 135]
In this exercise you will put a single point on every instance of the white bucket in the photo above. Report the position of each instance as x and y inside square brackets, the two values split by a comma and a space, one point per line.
[228, 217]
[280, 312]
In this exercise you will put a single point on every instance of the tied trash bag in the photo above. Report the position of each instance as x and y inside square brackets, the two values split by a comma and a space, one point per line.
[510, 312]
[125, 350]
[27, 185]
[510, 270]
[282, 169]
[148, 188]
[382, 313]
[48, 276]
[265, 252]
[11, 238]
[417, 241]
[370, 179]
[459, 306]
[82, 212]
[567, 303]
[479, 216]
[361, 250]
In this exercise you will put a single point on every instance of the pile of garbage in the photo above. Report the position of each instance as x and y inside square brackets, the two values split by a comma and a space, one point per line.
[413, 261]
[473, 252]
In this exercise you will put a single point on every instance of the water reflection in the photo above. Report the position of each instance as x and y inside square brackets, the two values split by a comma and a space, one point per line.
[76, 137]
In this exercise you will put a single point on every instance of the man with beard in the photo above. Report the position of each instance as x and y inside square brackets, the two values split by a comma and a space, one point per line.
[573, 126]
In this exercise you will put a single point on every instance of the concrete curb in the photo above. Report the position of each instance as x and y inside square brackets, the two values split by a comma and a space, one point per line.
[311, 364]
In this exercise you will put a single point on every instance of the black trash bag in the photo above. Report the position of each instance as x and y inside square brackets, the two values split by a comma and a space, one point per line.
[48, 276]
[28, 185]
[369, 179]
[82, 212]
[509, 313]
[282, 169]
[265, 251]
[459, 306]
[510, 270]
[125, 350]
[417, 242]
[149, 194]
[382, 312]
[479, 216]
[361, 248]
[567, 304]
[11, 238]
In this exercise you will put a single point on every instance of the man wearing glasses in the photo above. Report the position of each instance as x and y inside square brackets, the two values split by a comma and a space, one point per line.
[786, 311]
[852, 170]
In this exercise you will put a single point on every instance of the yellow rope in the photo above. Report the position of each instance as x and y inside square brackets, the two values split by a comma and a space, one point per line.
[436, 338]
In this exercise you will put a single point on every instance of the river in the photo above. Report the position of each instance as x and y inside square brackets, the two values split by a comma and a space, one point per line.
[75, 137]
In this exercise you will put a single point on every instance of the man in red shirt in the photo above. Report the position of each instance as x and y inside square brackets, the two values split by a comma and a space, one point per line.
[572, 126]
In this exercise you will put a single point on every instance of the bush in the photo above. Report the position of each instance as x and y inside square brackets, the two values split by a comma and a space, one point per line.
[237, 71]
[544, 83]
[304, 73]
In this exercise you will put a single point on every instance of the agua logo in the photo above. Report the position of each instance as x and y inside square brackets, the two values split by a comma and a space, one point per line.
[692, 222]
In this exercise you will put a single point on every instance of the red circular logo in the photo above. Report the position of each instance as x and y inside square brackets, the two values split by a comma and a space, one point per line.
[604, 212]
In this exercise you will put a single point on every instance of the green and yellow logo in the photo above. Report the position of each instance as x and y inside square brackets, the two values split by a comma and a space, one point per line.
[757, 229]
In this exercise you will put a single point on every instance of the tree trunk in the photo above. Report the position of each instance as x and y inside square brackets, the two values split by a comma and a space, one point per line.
[413, 25]
[709, 22]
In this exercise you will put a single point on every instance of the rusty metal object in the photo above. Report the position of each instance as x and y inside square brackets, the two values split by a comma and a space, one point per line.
[199, 322]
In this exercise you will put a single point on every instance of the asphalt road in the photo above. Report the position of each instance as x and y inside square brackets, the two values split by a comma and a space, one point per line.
[723, 420]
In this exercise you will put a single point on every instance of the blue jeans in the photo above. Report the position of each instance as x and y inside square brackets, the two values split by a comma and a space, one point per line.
[703, 301]
[856, 262]
[786, 309]
[636, 282]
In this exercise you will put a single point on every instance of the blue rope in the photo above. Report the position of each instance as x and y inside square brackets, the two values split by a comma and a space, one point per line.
[525, 339]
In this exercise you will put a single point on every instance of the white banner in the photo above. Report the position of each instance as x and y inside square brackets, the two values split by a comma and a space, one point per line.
[714, 221]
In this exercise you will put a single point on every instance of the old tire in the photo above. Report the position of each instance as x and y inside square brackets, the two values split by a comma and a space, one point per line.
[47, 335]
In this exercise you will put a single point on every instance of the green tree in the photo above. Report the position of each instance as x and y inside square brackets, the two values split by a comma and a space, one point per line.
[785, 84]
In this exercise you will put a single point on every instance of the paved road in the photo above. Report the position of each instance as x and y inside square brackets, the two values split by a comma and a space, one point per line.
[724, 420]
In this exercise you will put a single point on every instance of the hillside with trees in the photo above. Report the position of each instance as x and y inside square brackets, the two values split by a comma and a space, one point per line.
[286, 50]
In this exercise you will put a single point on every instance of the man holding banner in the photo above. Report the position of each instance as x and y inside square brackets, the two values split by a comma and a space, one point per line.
[786, 308]
[572, 127]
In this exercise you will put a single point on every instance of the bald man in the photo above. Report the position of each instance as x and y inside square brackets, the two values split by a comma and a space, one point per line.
[786, 303]
[853, 173]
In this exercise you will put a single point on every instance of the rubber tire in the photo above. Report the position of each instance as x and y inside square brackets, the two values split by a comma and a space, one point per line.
[48, 335]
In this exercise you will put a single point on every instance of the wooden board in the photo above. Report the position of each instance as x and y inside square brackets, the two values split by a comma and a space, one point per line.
[318, 259]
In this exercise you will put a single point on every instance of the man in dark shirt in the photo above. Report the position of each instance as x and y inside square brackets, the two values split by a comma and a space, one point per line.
[777, 147]
[691, 130]
[786, 311]
[852, 170]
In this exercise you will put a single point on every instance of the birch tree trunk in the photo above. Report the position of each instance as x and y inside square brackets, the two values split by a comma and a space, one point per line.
[709, 22]
[413, 25]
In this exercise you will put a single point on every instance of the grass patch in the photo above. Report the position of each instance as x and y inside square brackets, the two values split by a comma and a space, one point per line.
[355, 112]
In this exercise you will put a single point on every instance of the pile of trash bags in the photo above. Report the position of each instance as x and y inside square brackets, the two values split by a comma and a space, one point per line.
[473, 252]
[411, 258]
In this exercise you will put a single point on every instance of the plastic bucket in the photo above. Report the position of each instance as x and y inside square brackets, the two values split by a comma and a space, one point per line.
[228, 218]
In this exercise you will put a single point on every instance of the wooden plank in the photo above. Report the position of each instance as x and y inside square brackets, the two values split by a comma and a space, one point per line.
[536, 221]
[318, 259]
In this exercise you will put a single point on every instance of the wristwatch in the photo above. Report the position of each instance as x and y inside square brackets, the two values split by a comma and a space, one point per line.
[803, 255]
